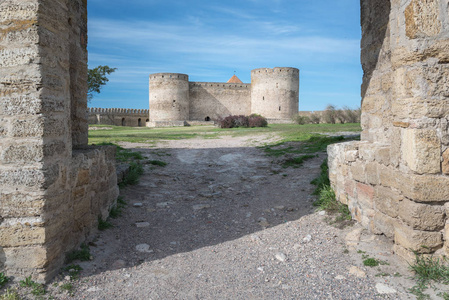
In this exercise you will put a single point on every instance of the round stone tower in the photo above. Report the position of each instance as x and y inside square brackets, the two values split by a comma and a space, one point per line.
[275, 92]
[169, 97]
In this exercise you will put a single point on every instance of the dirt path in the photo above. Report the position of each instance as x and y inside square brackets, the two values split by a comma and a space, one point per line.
[221, 221]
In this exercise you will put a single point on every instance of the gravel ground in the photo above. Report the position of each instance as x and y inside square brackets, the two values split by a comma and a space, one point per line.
[224, 221]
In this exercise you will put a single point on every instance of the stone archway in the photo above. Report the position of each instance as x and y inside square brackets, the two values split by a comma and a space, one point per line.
[395, 180]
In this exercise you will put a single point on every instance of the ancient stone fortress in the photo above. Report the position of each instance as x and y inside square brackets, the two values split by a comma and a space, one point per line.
[118, 116]
[273, 93]
[53, 187]
[396, 179]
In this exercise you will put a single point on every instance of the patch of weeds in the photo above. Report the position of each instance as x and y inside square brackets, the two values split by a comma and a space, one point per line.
[428, 270]
[397, 274]
[319, 143]
[83, 254]
[67, 287]
[382, 274]
[157, 163]
[132, 178]
[160, 153]
[322, 180]
[115, 212]
[3, 280]
[10, 294]
[74, 271]
[297, 161]
[346, 251]
[121, 201]
[123, 154]
[444, 295]
[103, 224]
[327, 201]
[37, 289]
[361, 252]
[371, 262]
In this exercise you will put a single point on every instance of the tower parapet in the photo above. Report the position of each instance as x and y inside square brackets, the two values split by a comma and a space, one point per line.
[169, 97]
[275, 92]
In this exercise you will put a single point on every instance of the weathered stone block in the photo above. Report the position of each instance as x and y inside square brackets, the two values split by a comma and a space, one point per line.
[372, 175]
[19, 205]
[357, 170]
[36, 258]
[365, 195]
[422, 19]
[387, 201]
[382, 155]
[351, 155]
[14, 233]
[445, 163]
[426, 188]
[422, 216]
[83, 177]
[416, 240]
[383, 224]
[421, 150]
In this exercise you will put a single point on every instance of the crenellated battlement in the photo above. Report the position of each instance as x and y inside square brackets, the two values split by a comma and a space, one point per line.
[276, 70]
[169, 76]
[220, 85]
[121, 111]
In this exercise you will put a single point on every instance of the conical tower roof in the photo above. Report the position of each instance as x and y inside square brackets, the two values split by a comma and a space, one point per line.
[234, 79]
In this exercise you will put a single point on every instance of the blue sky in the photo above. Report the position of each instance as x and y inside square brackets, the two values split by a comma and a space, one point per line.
[209, 40]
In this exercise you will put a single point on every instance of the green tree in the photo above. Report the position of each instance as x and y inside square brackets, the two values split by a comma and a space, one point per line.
[97, 77]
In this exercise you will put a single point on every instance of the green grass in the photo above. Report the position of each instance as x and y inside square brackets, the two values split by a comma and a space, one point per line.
[296, 162]
[132, 178]
[3, 280]
[428, 270]
[104, 224]
[74, 271]
[37, 289]
[123, 154]
[10, 294]
[371, 262]
[83, 254]
[157, 163]
[322, 180]
[287, 132]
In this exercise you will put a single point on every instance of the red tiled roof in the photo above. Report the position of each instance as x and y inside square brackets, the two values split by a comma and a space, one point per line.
[234, 79]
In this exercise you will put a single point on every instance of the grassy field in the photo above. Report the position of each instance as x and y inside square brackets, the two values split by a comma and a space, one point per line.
[288, 132]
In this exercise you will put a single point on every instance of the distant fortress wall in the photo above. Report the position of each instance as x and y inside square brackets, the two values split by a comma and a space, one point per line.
[118, 116]
[273, 93]
[215, 100]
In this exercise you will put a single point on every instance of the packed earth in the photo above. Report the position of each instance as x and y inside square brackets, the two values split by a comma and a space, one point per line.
[223, 220]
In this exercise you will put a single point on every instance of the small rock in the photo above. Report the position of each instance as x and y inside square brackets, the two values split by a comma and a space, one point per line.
[307, 238]
[118, 264]
[280, 207]
[137, 204]
[181, 219]
[248, 215]
[163, 204]
[354, 236]
[385, 289]
[263, 222]
[200, 206]
[357, 272]
[322, 212]
[254, 238]
[260, 269]
[151, 210]
[173, 243]
[142, 224]
[145, 248]
[94, 289]
[67, 278]
[340, 277]
[296, 246]
[281, 256]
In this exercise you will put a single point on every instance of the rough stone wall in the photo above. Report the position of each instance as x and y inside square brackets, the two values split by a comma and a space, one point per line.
[169, 97]
[40, 87]
[395, 180]
[217, 100]
[275, 92]
[118, 116]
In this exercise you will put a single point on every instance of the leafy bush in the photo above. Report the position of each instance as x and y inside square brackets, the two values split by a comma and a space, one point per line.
[301, 120]
[315, 118]
[330, 114]
[236, 121]
[255, 120]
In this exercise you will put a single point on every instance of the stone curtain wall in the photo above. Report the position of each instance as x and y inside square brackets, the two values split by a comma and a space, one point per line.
[216, 100]
[395, 180]
[50, 194]
[118, 116]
